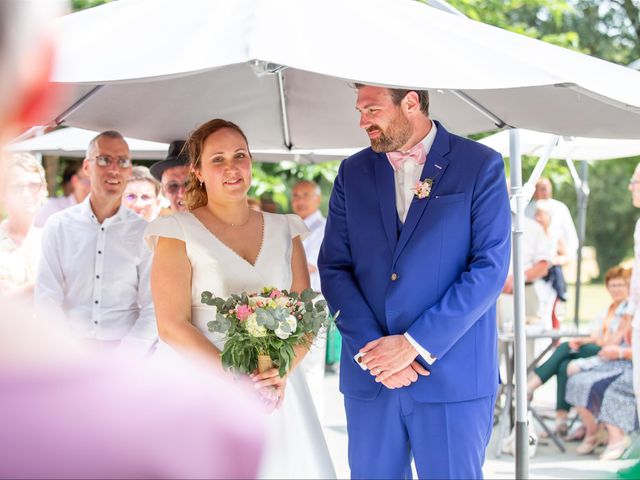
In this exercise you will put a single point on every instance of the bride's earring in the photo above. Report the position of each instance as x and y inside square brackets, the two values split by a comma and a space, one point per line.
[201, 183]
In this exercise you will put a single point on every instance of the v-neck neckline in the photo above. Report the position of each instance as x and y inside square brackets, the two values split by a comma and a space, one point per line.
[215, 237]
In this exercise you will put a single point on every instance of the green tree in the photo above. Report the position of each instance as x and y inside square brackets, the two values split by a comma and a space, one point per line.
[77, 5]
[607, 29]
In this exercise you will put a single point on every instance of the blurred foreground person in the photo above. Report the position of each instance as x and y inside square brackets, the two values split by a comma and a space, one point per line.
[142, 193]
[67, 414]
[24, 192]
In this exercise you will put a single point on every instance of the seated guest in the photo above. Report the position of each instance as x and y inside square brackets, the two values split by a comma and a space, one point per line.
[67, 414]
[80, 186]
[601, 389]
[142, 194]
[536, 256]
[604, 331]
[94, 265]
[23, 193]
[173, 175]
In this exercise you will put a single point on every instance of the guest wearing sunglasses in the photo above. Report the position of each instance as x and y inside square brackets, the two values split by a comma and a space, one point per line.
[94, 266]
[142, 194]
[173, 174]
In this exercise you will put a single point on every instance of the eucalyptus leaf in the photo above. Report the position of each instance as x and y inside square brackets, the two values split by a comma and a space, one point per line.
[307, 295]
[206, 298]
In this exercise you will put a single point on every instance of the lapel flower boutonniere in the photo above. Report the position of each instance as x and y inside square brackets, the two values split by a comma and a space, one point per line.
[423, 188]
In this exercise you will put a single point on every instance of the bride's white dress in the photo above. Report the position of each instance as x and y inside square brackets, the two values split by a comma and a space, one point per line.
[296, 447]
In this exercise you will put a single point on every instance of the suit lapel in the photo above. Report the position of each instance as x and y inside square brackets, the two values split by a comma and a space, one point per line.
[385, 185]
[434, 168]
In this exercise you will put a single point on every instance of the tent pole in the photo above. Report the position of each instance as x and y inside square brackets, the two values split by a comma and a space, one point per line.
[283, 110]
[583, 197]
[63, 116]
[499, 123]
[522, 435]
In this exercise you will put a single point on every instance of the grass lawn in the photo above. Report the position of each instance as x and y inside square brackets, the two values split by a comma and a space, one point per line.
[593, 299]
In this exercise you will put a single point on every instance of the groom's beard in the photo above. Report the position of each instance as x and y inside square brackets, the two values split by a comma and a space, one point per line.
[391, 140]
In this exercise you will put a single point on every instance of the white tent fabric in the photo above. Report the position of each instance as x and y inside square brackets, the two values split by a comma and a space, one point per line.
[164, 66]
[575, 148]
[73, 142]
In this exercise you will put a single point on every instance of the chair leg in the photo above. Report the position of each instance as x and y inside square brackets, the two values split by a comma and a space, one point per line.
[550, 433]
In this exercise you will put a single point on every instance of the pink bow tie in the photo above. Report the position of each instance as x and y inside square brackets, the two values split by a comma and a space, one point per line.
[417, 153]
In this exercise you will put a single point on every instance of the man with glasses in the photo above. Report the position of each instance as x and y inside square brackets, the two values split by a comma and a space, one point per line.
[173, 174]
[94, 265]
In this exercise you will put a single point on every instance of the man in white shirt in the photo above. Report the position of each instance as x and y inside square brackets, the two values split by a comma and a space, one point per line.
[305, 202]
[94, 265]
[562, 226]
[536, 254]
[80, 188]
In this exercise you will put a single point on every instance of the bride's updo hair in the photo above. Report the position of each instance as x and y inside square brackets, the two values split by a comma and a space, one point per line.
[196, 194]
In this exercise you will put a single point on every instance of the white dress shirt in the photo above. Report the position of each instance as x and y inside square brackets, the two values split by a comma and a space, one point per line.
[406, 178]
[315, 223]
[561, 224]
[98, 275]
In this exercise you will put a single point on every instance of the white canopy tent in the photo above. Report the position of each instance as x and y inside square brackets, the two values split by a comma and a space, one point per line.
[575, 148]
[284, 71]
[569, 149]
[286, 79]
[73, 142]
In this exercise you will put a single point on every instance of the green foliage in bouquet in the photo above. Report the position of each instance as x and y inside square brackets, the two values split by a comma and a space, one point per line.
[271, 322]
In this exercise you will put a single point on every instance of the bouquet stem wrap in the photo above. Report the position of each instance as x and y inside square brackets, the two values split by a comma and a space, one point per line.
[264, 363]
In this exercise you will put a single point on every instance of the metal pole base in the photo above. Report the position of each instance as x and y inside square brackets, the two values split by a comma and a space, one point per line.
[522, 450]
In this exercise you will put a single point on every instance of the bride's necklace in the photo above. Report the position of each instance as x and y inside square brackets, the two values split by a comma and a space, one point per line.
[242, 224]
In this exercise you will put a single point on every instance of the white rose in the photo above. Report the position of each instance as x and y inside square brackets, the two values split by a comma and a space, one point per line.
[292, 323]
[253, 328]
[282, 301]
[253, 301]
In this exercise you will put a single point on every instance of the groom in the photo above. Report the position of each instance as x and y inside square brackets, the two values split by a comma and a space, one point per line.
[415, 253]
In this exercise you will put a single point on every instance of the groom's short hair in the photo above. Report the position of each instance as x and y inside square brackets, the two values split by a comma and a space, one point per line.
[397, 94]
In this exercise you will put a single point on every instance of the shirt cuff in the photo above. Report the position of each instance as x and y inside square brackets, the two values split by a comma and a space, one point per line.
[423, 352]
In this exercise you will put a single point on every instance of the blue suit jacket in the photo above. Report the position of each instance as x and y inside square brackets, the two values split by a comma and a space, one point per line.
[451, 259]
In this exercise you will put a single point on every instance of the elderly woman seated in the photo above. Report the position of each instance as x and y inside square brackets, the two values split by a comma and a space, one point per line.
[601, 390]
[604, 331]
[25, 191]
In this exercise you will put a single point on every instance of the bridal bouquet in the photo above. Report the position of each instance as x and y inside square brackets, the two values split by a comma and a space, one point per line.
[262, 328]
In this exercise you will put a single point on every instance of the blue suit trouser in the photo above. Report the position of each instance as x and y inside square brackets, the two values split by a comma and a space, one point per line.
[447, 440]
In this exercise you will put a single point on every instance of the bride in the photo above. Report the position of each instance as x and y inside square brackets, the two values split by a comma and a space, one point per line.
[223, 246]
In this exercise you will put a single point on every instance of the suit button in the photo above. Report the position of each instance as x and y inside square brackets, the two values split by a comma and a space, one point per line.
[394, 277]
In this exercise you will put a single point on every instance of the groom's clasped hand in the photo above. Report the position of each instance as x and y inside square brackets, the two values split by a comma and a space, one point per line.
[392, 360]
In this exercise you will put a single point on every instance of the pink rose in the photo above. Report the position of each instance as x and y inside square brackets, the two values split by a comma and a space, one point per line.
[275, 293]
[243, 312]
